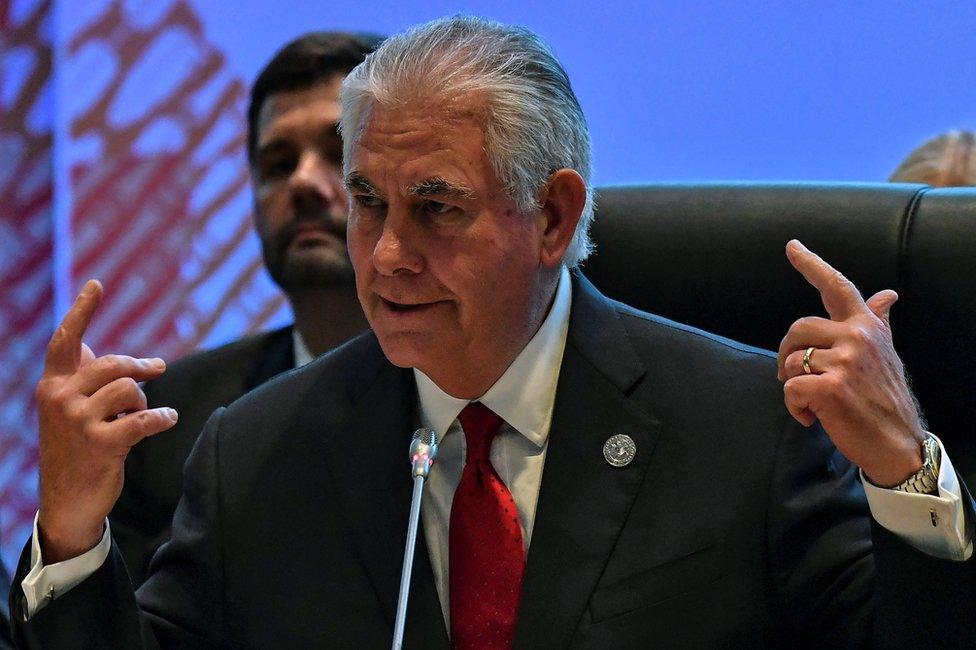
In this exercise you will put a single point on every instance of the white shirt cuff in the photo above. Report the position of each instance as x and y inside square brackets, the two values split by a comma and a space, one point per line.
[45, 583]
[933, 523]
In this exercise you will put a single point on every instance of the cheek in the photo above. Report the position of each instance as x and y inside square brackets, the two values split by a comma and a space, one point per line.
[272, 205]
[360, 245]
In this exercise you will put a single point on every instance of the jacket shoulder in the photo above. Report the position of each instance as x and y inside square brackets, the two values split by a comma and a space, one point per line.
[340, 373]
[701, 372]
[644, 325]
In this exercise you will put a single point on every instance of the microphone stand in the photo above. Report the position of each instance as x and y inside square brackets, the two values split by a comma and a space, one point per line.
[423, 451]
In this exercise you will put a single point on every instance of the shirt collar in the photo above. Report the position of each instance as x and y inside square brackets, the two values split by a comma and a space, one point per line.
[302, 354]
[524, 395]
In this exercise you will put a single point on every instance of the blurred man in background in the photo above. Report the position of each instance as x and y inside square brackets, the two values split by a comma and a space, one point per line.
[300, 208]
[947, 160]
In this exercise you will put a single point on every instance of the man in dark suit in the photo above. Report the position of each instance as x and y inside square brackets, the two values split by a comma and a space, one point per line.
[606, 478]
[300, 213]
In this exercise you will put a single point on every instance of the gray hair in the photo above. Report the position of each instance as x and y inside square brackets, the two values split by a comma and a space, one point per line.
[947, 160]
[534, 124]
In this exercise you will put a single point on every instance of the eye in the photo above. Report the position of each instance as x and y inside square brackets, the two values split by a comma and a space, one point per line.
[278, 166]
[367, 200]
[436, 207]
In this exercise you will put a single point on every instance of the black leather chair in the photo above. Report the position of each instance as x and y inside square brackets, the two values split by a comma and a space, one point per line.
[712, 255]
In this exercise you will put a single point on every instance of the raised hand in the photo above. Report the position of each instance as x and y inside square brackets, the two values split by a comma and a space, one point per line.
[853, 382]
[91, 411]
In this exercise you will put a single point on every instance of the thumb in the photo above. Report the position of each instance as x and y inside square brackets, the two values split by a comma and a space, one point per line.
[880, 304]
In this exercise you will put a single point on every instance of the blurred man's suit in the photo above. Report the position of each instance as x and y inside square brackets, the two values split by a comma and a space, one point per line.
[732, 527]
[5, 638]
[195, 386]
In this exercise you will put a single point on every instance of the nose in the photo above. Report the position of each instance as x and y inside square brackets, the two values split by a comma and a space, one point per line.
[398, 249]
[314, 183]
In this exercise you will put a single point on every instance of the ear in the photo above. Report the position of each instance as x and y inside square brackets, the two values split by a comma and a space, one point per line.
[562, 201]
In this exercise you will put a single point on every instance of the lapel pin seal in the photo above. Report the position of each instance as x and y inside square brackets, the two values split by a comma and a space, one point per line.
[619, 450]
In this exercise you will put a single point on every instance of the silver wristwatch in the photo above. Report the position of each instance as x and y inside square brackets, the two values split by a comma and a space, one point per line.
[925, 480]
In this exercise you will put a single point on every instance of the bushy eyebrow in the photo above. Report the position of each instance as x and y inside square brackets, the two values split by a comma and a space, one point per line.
[440, 187]
[356, 182]
[434, 186]
[272, 147]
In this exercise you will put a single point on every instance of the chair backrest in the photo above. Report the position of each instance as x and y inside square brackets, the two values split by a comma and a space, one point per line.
[712, 255]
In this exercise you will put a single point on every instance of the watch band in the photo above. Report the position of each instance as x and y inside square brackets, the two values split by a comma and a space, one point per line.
[926, 479]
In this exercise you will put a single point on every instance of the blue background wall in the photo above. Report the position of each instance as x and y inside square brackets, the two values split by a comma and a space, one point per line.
[746, 89]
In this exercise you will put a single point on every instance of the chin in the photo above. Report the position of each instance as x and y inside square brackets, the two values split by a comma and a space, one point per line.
[322, 272]
[405, 349]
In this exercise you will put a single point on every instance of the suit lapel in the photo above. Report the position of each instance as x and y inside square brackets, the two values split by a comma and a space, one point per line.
[583, 501]
[374, 484]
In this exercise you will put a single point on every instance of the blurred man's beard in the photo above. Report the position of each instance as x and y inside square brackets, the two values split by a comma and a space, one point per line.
[319, 266]
[294, 271]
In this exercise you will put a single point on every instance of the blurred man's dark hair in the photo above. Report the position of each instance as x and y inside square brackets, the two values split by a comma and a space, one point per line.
[314, 58]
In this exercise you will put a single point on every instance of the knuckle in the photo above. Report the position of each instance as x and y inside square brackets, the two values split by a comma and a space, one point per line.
[93, 432]
[108, 362]
[862, 334]
[59, 334]
[805, 323]
[75, 411]
[838, 280]
[128, 386]
[46, 391]
[846, 357]
[832, 384]
[140, 397]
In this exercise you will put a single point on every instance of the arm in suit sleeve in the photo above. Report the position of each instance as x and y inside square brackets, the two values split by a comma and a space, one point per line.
[137, 528]
[142, 515]
[843, 579]
[179, 605]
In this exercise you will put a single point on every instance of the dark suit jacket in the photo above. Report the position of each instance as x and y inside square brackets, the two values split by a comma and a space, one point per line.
[733, 526]
[195, 386]
[6, 641]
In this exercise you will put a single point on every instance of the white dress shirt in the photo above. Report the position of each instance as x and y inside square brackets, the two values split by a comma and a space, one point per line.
[300, 351]
[523, 397]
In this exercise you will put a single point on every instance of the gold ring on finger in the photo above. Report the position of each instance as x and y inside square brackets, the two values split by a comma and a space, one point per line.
[806, 360]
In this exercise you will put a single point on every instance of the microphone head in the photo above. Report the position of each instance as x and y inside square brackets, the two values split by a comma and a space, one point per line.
[423, 451]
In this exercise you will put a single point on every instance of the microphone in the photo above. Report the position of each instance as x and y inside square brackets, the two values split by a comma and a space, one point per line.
[423, 452]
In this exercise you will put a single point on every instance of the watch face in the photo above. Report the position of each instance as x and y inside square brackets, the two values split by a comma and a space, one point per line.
[933, 456]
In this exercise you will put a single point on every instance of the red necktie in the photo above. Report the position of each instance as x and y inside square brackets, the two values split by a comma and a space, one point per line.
[487, 559]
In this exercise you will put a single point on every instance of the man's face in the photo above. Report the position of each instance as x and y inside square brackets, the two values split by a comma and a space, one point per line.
[447, 269]
[300, 201]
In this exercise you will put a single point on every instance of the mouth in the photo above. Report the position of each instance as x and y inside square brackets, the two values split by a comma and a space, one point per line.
[312, 237]
[309, 237]
[408, 308]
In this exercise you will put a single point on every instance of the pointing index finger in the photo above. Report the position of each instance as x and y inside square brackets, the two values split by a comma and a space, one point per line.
[64, 349]
[839, 295]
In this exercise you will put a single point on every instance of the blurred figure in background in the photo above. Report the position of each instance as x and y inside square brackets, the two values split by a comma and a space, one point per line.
[300, 207]
[947, 160]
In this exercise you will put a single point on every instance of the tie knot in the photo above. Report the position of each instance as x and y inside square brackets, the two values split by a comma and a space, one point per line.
[480, 425]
